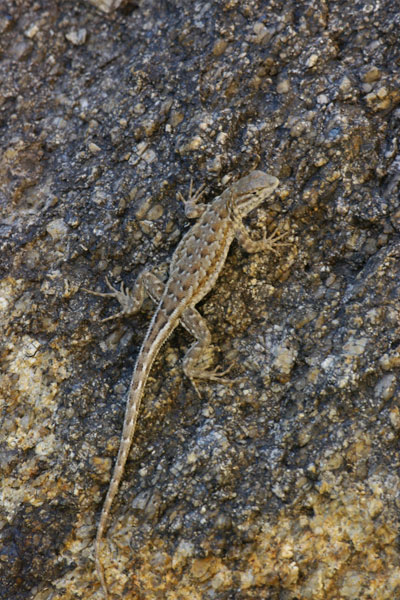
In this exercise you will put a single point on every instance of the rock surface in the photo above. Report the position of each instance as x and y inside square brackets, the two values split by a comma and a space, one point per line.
[287, 484]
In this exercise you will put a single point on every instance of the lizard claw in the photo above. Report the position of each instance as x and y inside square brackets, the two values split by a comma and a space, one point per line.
[272, 241]
[123, 296]
[215, 375]
[193, 207]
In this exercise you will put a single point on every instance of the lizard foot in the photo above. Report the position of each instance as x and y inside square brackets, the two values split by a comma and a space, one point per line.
[214, 375]
[124, 297]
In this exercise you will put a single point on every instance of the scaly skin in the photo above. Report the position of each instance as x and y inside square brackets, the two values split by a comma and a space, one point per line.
[195, 267]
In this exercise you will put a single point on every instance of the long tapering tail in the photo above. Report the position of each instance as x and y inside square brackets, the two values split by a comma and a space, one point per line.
[159, 329]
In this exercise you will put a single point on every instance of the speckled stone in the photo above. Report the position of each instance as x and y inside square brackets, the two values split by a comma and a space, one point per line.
[286, 483]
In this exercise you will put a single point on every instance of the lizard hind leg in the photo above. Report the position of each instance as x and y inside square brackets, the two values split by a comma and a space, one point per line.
[131, 301]
[200, 356]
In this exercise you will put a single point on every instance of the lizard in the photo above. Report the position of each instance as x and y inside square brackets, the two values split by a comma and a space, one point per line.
[193, 271]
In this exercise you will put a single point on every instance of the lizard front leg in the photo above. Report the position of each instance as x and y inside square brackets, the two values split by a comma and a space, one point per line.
[193, 207]
[131, 301]
[199, 357]
[269, 243]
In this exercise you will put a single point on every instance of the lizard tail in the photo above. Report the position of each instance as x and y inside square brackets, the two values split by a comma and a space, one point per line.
[159, 329]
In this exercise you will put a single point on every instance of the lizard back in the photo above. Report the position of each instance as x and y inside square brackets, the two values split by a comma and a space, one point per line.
[194, 269]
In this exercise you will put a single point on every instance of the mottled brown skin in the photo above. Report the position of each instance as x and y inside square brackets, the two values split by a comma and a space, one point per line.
[195, 266]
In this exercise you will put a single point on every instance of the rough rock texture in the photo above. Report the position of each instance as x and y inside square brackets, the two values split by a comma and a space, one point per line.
[287, 484]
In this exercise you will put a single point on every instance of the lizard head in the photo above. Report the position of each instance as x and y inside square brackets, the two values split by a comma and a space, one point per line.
[250, 191]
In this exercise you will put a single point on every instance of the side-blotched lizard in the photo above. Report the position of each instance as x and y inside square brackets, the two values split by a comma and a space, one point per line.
[194, 269]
